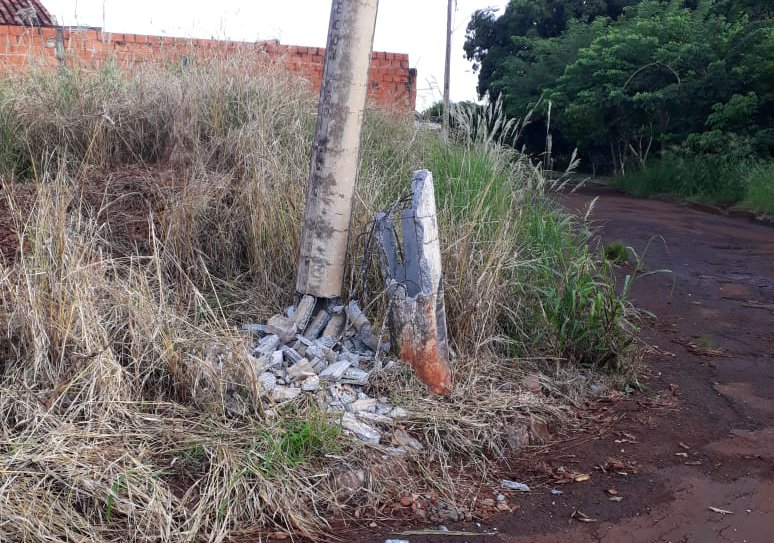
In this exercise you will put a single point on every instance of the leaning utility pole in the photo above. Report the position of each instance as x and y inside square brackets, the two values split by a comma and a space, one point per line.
[336, 149]
[447, 74]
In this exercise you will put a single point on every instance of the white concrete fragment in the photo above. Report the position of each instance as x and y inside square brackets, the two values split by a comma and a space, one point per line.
[268, 381]
[335, 370]
[362, 405]
[310, 384]
[355, 376]
[361, 430]
[284, 394]
[300, 368]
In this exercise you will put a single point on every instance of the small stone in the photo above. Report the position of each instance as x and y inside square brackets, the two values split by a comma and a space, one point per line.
[327, 341]
[403, 439]
[382, 409]
[398, 413]
[335, 371]
[361, 430]
[443, 528]
[406, 501]
[514, 485]
[314, 351]
[532, 383]
[268, 381]
[362, 405]
[500, 498]
[284, 394]
[310, 384]
[254, 329]
[283, 327]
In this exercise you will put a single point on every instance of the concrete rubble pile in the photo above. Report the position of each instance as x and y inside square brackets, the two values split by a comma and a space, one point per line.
[329, 352]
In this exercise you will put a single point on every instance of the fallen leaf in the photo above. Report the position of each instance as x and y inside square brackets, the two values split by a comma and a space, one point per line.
[581, 477]
[612, 491]
[721, 511]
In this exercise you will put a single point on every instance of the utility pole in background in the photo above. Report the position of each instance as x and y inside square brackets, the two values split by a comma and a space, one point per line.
[336, 149]
[447, 74]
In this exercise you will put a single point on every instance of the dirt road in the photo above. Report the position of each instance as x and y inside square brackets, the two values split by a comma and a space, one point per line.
[702, 435]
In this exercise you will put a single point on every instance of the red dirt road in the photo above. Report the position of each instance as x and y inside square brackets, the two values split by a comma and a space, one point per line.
[702, 434]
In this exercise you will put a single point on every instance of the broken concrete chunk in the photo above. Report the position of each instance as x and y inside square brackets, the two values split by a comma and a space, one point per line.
[268, 345]
[399, 413]
[276, 359]
[361, 430]
[268, 381]
[362, 405]
[310, 384]
[284, 394]
[314, 351]
[304, 311]
[283, 327]
[327, 341]
[317, 324]
[291, 355]
[335, 370]
[355, 376]
[300, 368]
[254, 329]
[319, 364]
[335, 326]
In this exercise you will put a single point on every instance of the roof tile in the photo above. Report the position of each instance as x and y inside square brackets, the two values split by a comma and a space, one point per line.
[24, 13]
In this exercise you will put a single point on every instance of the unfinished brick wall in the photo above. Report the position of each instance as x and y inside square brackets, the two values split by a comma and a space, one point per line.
[392, 83]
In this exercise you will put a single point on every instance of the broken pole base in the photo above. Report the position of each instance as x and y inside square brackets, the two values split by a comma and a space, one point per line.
[417, 313]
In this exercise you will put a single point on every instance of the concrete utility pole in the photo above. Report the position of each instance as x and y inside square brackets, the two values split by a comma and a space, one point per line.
[447, 74]
[336, 149]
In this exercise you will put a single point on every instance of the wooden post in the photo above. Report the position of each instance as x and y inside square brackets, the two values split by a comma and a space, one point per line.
[415, 286]
[336, 149]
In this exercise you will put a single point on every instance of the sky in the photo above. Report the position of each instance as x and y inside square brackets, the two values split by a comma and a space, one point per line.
[416, 27]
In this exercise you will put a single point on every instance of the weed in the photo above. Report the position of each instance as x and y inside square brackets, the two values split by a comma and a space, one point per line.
[616, 252]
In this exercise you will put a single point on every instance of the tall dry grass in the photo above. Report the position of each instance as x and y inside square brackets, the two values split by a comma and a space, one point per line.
[115, 425]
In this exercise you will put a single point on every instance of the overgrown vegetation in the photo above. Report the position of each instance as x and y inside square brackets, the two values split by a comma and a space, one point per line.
[156, 211]
[672, 95]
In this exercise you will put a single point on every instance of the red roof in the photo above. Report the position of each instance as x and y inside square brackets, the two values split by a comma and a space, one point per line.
[24, 13]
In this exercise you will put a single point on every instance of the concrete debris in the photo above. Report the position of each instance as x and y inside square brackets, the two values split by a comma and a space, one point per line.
[336, 370]
[310, 384]
[329, 352]
[361, 430]
[268, 381]
[284, 393]
[282, 327]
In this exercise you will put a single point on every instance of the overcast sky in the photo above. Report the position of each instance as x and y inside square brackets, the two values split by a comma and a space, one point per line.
[416, 27]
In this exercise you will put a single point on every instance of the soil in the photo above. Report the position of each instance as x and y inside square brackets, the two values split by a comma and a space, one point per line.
[701, 434]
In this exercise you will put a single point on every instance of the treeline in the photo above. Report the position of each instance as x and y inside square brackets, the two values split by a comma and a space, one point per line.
[627, 82]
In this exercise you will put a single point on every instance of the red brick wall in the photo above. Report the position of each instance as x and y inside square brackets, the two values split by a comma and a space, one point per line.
[392, 83]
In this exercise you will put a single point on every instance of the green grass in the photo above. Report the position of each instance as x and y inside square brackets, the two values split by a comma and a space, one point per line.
[616, 252]
[712, 179]
[759, 195]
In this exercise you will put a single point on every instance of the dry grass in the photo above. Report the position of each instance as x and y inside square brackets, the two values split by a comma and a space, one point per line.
[113, 426]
